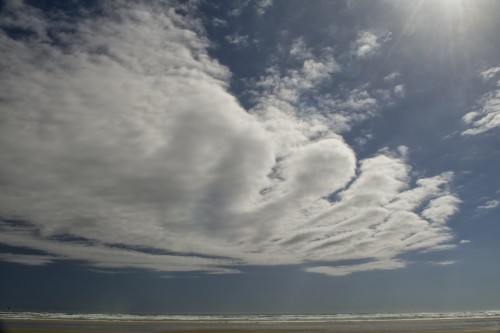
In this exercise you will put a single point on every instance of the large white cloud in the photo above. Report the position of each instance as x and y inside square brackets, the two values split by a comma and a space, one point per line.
[121, 147]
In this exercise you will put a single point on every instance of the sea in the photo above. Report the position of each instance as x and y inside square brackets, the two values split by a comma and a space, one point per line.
[466, 320]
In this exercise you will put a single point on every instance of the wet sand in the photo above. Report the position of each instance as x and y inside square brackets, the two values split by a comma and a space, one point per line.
[101, 326]
[250, 331]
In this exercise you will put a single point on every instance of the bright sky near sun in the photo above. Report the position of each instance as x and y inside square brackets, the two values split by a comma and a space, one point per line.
[200, 144]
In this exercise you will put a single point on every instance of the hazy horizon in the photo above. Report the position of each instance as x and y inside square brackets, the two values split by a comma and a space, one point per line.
[263, 156]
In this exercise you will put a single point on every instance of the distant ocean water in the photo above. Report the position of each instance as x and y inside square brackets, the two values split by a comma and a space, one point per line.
[265, 319]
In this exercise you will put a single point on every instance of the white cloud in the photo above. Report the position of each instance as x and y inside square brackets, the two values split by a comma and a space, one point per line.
[366, 45]
[440, 209]
[487, 116]
[235, 12]
[27, 259]
[282, 109]
[99, 255]
[126, 139]
[490, 204]
[300, 50]
[444, 263]
[295, 91]
[261, 6]
[361, 141]
[107, 271]
[219, 22]
[489, 74]
[346, 270]
[426, 189]
[399, 90]
[404, 151]
[464, 241]
[392, 77]
[237, 39]
[469, 117]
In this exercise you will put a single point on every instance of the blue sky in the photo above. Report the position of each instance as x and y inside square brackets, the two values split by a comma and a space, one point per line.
[250, 156]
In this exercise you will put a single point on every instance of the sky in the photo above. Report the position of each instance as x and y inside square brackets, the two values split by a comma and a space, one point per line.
[249, 156]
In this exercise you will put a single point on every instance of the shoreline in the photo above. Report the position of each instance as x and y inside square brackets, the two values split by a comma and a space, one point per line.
[469, 325]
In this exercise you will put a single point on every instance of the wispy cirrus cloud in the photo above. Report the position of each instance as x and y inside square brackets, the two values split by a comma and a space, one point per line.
[261, 6]
[237, 40]
[300, 91]
[27, 259]
[123, 135]
[346, 270]
[444, 263]
[487, 115]
[300, 50]
[490, 74]
[491, 204]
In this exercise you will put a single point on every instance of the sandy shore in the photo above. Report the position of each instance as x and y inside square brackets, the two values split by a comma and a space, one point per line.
[89, 326]
[251, 331]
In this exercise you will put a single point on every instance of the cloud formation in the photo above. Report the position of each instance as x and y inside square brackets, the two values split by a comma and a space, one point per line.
[487, 116]
[122, 148]
[301, 91]
[490, 204]
[26, 259]
[366, 45]
[237, 40]
[346, 270]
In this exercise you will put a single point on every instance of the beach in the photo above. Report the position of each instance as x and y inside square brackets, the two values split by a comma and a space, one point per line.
[406, 326]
